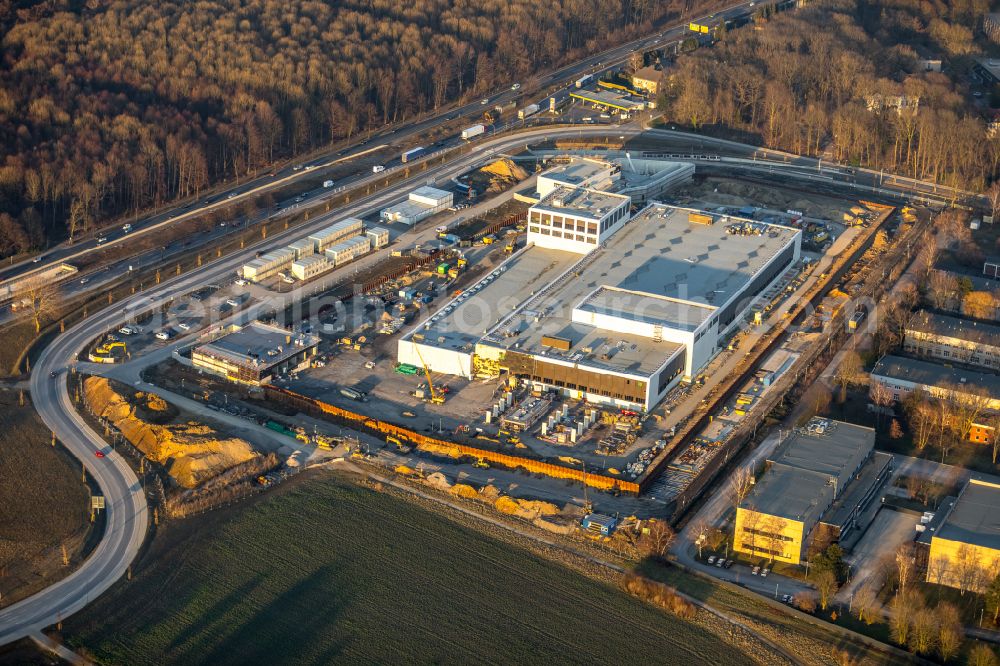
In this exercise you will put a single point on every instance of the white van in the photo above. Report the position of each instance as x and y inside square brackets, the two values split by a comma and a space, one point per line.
[378, 168]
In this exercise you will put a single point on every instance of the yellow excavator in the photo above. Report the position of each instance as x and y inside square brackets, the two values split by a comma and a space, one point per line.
[436, 397]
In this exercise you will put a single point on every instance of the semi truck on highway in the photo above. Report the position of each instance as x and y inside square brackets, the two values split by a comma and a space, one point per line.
[412, 154]
[527, 111]
[474, 131]
[581, 82]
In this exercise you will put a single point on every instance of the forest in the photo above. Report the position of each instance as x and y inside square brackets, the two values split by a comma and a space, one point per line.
[111, 107]
[845, 77]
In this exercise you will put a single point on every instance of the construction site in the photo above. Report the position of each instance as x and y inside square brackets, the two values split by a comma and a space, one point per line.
[568, 325]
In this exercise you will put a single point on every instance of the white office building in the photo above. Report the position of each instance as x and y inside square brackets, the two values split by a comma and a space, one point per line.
[576, 219]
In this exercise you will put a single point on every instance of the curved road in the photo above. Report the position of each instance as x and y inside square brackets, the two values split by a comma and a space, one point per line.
[127, 518]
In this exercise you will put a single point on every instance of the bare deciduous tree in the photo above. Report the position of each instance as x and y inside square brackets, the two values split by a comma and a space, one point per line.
[657, 538]
[866, 604]
[904, 561]
[826, 586]
[742, 481]
[39, 297]
[950, 633]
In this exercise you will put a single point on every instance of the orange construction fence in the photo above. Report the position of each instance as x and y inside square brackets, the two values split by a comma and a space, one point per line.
[440, 446]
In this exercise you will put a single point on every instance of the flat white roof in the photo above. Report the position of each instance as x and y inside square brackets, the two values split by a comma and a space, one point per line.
[581, 202]
[430, 192]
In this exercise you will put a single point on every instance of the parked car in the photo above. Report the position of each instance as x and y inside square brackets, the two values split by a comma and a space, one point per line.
[764, 572]
[241, 282]
[719, 562]
[755, 571]
[233, 302]
[184, 326]
[165, 334]
[728, 563]
[711, 559]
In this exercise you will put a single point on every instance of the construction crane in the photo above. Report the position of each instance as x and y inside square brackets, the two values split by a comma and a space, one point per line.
[436, 398]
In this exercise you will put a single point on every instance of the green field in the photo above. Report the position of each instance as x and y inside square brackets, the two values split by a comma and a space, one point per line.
[328, 571]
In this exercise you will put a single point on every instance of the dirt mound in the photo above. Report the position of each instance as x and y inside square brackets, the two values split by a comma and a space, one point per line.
[437, 480]
[505, 168]
[499, 176]
[464, 490]
[192, 452]
[528, 509]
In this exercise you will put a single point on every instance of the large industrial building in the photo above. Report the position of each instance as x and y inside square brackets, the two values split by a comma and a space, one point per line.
[619, 325]
[254, 353]
[951, 339]
[964, 538]
[901, 375]
[822, 476]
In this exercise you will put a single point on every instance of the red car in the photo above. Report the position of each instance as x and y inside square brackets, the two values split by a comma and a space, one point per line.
[99, 454]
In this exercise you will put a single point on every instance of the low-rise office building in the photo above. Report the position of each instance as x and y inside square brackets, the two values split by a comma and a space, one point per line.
[348, 250]
[964, 538]
[901, 375]
[379, 237]
[647, 79]
[254, 353]
[268, 264]
[302, 248]
[309, 267]
[822, 476]
[951, 339]
[335, 233]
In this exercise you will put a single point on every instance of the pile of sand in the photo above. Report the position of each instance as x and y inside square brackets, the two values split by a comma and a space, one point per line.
[192, 452]
[464, 490]
[528, 509]
[505, 168]
[502, 174]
